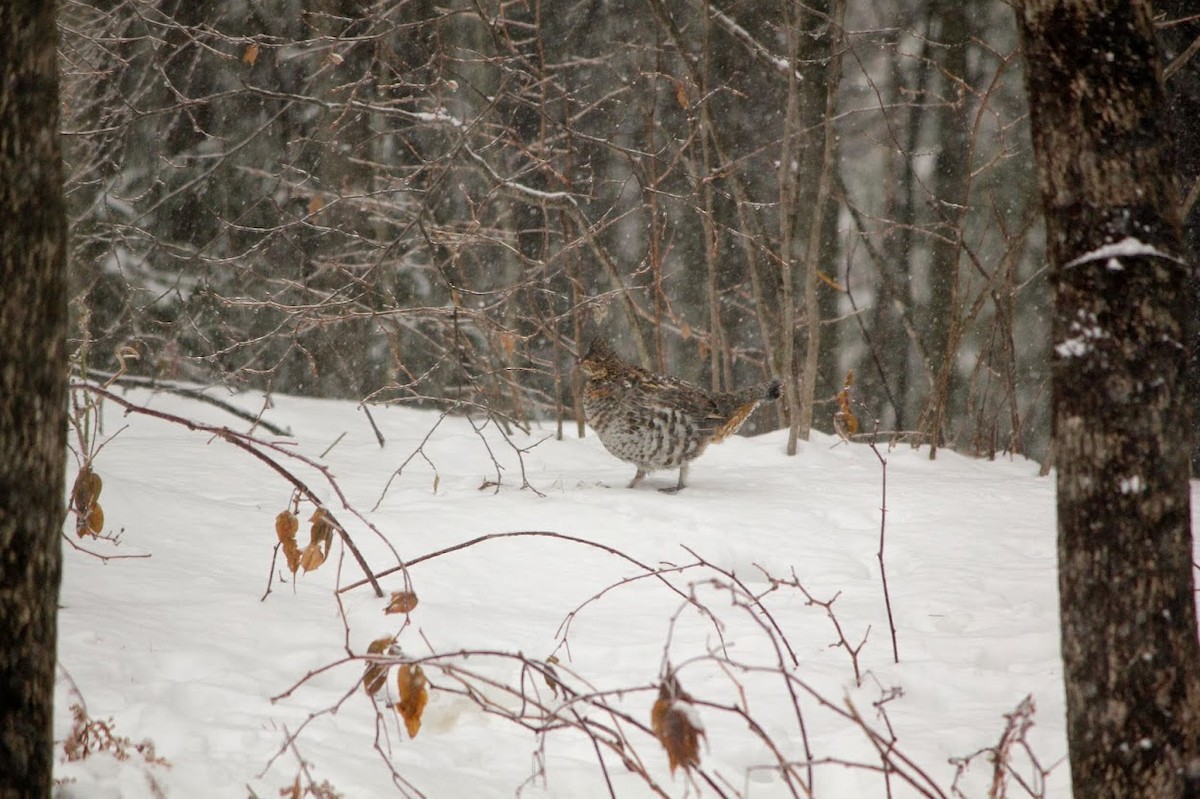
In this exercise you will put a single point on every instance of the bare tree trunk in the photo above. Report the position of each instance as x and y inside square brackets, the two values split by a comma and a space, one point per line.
[1178, 35]
[803, 113]
[33, 379]
[1122, 420]
[950, 180]
[816, 238]
[787, 210]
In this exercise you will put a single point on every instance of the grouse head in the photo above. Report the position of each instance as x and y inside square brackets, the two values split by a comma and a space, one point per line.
[600, 361]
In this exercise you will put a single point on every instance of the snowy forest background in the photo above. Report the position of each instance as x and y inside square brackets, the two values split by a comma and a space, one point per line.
[421, 202]
[436, 206]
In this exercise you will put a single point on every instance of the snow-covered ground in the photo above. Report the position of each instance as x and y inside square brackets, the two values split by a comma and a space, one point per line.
[238, 692]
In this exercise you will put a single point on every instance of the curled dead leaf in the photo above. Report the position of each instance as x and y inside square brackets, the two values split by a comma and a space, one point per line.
[95, 520]
[402, 602]
[411, 684]
[86, 490]
[845, 423]
[677, 725]
[320, 539]
[94, 484]
[375, 674]
[322, 527]
[85, 495]
[286, 525]
[312, 557]
[551, 676]
[292, 552]
[681, 94]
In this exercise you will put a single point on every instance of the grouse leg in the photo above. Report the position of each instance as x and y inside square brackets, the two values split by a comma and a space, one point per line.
[637, 478]
[682, 484]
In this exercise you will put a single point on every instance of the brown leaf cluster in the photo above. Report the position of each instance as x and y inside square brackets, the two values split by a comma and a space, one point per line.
[677, 725]
[85, 502]
[287, 524]
[411, 685]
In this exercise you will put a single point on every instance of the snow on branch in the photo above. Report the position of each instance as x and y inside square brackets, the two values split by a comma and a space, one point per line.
[1128, 247]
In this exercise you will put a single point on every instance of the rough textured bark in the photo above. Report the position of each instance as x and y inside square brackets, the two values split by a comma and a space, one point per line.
[1130, 650]
[32, 392]
[950, 184]
[1178, 35]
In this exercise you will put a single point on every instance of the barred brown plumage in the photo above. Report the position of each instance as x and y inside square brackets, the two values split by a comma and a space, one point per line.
[656, 421]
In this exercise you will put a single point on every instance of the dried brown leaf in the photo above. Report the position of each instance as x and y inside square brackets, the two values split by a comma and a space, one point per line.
[402, 602]
[95, 520]
[85, 495]
[681, 94]
[551, 676]
[292, 552]
[381, 645]
[411, 685]
[322, 528]
[677, 726]
[86, 490]
[844, 421]
[94, 484]
[292, 791]
[312, 557]
[508, 343]
[375, 674]
[286, 525]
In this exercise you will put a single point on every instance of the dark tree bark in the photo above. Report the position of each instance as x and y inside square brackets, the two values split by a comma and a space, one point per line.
[949, 183]
[1178, 34]
[1122, 421]
[33, 379]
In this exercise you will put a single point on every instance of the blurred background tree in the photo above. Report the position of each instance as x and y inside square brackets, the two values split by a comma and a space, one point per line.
[404, 201]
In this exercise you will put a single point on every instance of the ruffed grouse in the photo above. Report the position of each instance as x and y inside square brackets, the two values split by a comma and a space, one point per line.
[659, 422]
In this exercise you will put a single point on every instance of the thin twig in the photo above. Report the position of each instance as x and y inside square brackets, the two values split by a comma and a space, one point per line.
[251, 446]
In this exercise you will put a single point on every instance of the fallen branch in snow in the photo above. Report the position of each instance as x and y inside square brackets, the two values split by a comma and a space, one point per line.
[255, 447]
